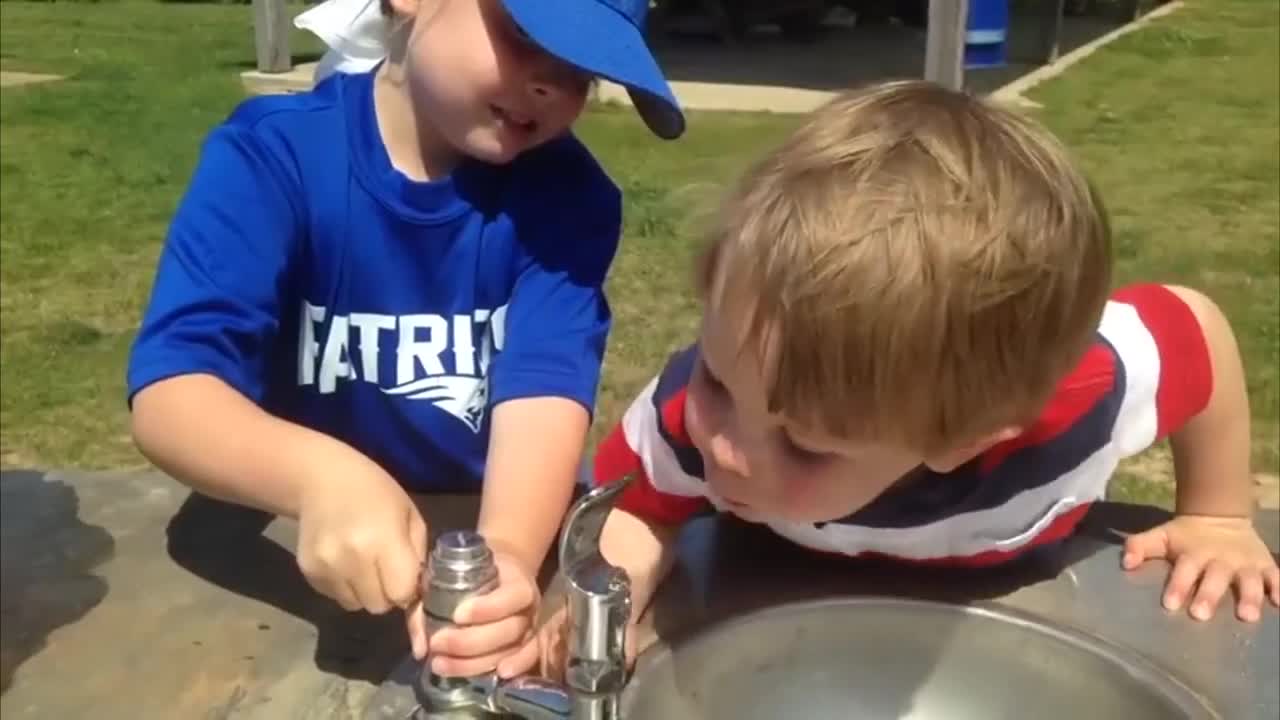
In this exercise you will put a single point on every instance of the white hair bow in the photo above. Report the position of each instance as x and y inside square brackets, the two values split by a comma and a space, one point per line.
[354, 30]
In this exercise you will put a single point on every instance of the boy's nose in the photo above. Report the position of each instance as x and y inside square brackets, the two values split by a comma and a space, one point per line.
[727, 457]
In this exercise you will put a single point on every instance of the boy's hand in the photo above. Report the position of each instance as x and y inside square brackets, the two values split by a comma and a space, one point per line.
[493, 631]
[1214, 553]
[553, 643]
[361, 540]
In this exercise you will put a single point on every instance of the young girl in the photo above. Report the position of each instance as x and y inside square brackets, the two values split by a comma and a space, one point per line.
[393, 284]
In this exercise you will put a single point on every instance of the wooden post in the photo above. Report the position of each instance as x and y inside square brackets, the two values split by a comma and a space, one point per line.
[944, 44]
[1051, 30]
[271, 36]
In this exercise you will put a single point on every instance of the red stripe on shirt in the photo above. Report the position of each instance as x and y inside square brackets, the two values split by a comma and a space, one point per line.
[615, 459]
[1186, 372]
[1091, 380]
[673, 416]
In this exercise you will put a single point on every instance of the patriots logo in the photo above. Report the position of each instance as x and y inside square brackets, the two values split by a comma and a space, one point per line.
[436, 357]
[462, 397]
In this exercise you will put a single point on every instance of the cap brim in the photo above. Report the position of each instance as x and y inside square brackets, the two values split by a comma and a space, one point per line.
[598, 39]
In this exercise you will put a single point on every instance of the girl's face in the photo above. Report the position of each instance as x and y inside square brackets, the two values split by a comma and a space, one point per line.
[485, 87]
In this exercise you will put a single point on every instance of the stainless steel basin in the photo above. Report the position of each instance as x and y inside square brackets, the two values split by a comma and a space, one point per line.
[882, 659]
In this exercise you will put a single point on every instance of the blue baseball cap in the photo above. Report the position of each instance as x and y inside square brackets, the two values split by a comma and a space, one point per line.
[605, 38]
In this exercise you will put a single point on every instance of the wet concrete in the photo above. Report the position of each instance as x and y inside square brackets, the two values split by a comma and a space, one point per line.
[47, 561]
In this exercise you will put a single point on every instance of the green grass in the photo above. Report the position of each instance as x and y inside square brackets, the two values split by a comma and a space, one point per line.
[91, 168]
[1177, 124]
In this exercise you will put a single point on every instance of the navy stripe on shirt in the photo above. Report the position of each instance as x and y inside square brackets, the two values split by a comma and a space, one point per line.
[674, 378]
[927, 497]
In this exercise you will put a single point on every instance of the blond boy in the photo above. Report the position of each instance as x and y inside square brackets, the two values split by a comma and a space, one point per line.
[910, 347]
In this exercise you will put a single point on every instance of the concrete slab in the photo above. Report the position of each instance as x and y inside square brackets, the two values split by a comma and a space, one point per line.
[742, 98]
[125, 598]
[14, 78]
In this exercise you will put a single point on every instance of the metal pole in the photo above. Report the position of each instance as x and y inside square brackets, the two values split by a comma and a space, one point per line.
[1051, 30]
[271, 36]
[944, 45]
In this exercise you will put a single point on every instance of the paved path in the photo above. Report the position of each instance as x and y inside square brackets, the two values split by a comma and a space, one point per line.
[772, 74]
[11, 78]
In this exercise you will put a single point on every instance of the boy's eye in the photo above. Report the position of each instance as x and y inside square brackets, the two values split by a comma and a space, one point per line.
[800, 453]
[713, 382]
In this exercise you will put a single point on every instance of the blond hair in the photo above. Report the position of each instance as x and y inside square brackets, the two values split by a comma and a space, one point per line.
[914, 264]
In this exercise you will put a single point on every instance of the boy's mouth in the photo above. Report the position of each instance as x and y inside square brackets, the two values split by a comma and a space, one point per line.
[513, 120]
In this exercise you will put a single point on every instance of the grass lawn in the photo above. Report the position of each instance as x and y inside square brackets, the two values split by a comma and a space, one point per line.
[1177, 123]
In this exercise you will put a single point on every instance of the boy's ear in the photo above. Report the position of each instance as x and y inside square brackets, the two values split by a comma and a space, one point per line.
[945, 462]
[404, 8]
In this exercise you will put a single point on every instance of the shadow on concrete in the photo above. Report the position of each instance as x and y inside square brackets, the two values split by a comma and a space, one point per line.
[847, 53]
[1113, 522]
[722, 549]
[723, 552]
[234, 548]
[47, 557]
[225, 544]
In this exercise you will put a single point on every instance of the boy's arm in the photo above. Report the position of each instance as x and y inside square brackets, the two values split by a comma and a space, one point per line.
[1202, 406]
[197, 374]
[1211, 451]
[198, 429]
[639, 535]
[643, 547]
[196, 366]
[535, 450]
[550, 339]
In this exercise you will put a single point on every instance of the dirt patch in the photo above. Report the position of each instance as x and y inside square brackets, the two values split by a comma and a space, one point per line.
[1266, 489]
[1156, 466]
[12, 78]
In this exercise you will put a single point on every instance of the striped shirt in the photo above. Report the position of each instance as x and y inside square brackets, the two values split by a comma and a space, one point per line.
[1147, 373]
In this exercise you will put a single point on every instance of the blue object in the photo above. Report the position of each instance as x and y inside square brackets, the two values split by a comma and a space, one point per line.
[986, 36]
[306, 272]
[606, 38]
